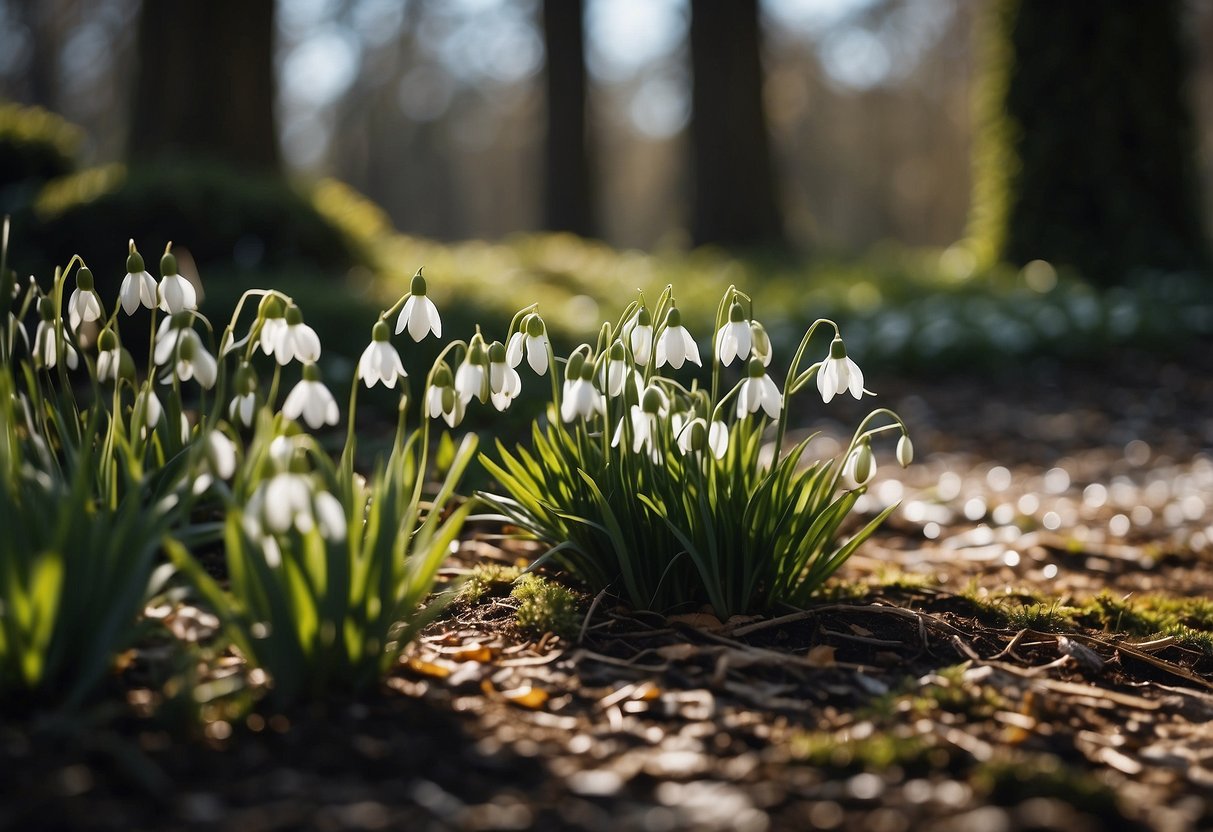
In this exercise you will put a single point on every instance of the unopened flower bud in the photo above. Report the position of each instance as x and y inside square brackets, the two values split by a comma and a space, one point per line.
[652, 401]
[865, 464]
[107, 340]
[905, 451]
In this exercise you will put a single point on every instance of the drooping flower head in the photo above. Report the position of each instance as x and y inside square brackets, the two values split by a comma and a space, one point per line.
[441, 398]
[581, 398]
[504, 381]
[839, 373]
[138, 287]
[614, 373]
[472, 377]
[49, 345]
[733, 340]
[380, 362]
[147, 411]
[860, 466]
[760, 343]
[84, 304]
[273, 322]
[243, 408]
[640, 337]
[311, 400]
[109, 356]
[905, 451]
[419, 314]
[675, 345]
[176, 293]
[296, 340]
[532, 335]
[758, 391]
[177, 343]
[694, 434]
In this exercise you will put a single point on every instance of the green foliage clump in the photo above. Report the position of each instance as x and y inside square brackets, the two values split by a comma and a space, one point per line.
[234, 221]
[669, 496]
[1086, 150]
[546, 607]
[485, 579]
[876, 752]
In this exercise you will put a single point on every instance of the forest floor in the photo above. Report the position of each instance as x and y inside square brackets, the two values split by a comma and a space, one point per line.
[1027, 644]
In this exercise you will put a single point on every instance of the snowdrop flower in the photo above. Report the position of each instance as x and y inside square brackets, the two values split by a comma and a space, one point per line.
[581, 398]
[758, 391]
[860, 466]
[644, 418]
[441, 398]
[760, 343]
[290, 501]
[273, 322]
[178, 343]
[47, 343]
[243, 408]
[695, 434]
[84, 304]
[641, 336]
[380, 361]
[218, 461]
[733, 340]
[532, 335]
[138, 287]
[282, 451]
[109, 356]
[675, 345]
[419, 314]
[295, 340]
[504, 381]
[147, 411]
[311, 400]
[615, 372]
[839, 373]
[176, 293]
[905, 451]
[471, 379]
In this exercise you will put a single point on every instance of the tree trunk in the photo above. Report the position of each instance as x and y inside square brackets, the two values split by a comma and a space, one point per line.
[205, 82]
[735, 201]
[1086, 146]
[567, 195]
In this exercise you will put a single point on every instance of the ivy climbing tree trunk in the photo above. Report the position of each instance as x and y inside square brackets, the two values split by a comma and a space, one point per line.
[205, 82]
[568, 189]
[735, 200]
[1085, 152]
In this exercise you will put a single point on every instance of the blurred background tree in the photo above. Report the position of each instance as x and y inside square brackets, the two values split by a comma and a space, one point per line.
[733, 190]
[1087, 149]
[205, 84]
[435, 109]
[568, 202]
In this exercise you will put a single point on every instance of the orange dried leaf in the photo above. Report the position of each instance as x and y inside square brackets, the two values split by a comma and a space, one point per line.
[821, 656]
[425, 668]
[527, 697]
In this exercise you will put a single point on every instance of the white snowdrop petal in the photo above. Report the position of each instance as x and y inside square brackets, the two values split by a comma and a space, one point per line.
[331, 516]
[690, 348]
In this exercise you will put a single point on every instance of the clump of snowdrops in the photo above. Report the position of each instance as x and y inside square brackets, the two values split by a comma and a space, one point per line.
[676, 494]
[107, 469]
